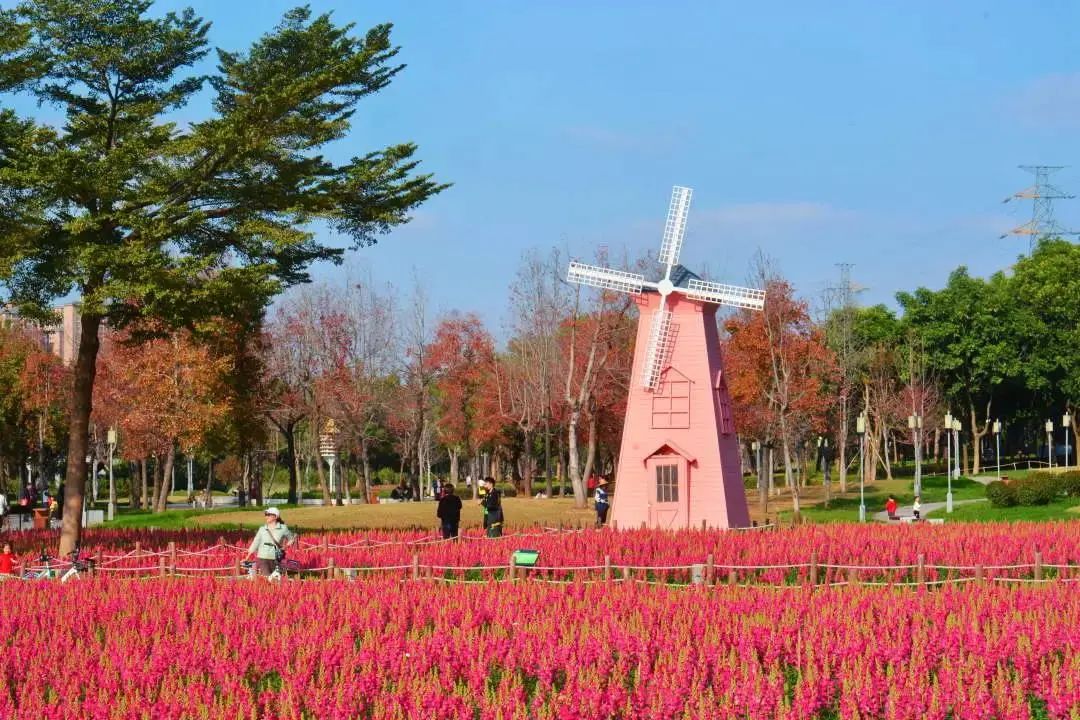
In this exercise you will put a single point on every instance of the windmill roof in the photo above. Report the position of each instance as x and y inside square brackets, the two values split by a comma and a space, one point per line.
[680, 276]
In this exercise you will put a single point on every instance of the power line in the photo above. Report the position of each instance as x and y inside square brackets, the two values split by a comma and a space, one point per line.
[1042, 194]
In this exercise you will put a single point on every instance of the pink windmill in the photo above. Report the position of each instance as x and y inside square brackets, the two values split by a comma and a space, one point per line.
[679, 465]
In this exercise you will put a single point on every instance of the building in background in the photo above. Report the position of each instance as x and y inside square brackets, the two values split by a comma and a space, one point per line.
[60, 338]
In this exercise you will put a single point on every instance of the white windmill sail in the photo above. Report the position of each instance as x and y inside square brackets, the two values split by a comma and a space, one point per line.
[656, 354]
[606, 278]
[675, 227]
[661, 332]
[743, 297]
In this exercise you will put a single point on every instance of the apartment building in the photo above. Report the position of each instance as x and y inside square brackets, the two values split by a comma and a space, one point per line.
[60, 338]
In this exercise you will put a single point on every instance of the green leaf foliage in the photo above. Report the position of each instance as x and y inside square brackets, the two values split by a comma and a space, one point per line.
[146, 218]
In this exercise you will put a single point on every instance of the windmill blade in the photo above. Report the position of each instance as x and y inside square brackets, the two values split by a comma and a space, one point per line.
[656, 352]
[605, 278]
[743, 297]
[675, 227]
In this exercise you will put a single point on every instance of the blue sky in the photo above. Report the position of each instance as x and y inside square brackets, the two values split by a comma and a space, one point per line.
[883, 134]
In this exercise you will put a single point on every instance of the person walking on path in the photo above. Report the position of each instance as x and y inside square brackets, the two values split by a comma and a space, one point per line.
[493, 512]
[449, 512]
[600, 501]
[890, 507]
[916, 509]
[270, 542]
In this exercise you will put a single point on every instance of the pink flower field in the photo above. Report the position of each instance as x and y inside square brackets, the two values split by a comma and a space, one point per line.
[213, 648]
[839, 552]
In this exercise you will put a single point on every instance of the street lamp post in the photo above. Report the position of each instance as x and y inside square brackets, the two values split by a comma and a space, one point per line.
[997, 444]
[860, 429]
[112, 486]
[956, 446]
[914, 422]
[329, 453]
[1050, 442]
[948, 444]
[756, 447]
[1066, 424]
[90, 474]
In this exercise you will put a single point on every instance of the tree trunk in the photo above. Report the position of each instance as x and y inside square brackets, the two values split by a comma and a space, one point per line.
[78, 433]
[454, 472]
[977, 436]
[144, 485]
[762, 483]
[841, 448]
[365, 463]
[590, 450]
[327, 499]
[133, 487]
[547, 454]
[166, 475]
[574, 460]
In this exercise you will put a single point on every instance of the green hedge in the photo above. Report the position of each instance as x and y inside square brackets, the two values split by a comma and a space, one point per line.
[1034, 490]
[1001, 494]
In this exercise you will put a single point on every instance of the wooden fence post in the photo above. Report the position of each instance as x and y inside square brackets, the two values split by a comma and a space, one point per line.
[732, 577]
[513, 568]
[626, 574]
[163, 568]
[979, 574]
[138, 549]
[330, 569]
[172, 557]
[607, 568]
[920, 569]
[239, 566]
[813, 568]
[1038, 566]
[416, 566]
[710, 570]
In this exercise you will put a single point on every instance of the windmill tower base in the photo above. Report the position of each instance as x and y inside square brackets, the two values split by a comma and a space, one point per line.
[679, 465]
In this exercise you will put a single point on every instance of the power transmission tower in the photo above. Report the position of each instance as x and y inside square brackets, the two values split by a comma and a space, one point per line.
[1042, 194]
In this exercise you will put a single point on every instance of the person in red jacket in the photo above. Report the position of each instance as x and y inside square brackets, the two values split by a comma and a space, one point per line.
[7, 561]
[890, 507]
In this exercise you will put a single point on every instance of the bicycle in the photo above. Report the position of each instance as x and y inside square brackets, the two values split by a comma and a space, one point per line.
[79, 565]
[46, 572]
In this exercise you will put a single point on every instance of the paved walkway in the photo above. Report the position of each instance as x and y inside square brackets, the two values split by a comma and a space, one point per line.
[927, 508]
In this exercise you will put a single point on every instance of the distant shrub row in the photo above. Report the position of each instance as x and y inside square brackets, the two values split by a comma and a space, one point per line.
[1035, 490]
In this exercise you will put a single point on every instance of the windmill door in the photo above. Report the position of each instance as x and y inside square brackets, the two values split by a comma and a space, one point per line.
[669, 495]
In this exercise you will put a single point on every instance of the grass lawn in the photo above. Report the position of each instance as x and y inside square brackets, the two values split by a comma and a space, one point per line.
[519, 512]
[170, 519]
[1064, 509]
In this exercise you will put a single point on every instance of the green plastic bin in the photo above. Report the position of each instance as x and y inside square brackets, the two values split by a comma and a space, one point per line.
[526, 558]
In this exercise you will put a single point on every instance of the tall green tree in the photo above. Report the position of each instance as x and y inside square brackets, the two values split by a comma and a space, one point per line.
[1046, 290]
[145, 218]
[972, 333]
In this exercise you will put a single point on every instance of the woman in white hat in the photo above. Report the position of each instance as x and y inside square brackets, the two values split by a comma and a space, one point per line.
[270, 542]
